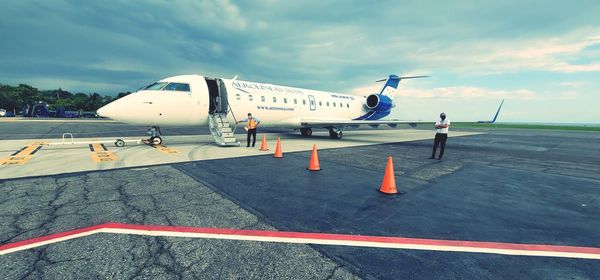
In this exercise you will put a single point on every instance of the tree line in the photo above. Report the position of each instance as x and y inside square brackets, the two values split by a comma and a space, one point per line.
[13, 98]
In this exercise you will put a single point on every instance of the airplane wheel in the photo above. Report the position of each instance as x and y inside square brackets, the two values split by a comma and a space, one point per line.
[306, 131]
[156, 140]
[335, 134]
[119, 143]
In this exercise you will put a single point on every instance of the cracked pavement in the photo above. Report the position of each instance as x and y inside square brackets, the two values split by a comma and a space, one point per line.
[500, 186]
[158, 195]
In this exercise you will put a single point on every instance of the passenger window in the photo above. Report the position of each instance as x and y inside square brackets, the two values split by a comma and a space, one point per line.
[284, 100]
[237, 96]
[303, 101]
[177, 87]
[341, 105]
[327, 103]
[333, 104]
[320, 104]
[295, 101]
[262, 98]
[274, 99]
[347, 105]
[250, 97]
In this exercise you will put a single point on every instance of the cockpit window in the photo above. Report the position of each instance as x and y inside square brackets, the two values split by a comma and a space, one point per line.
[177, 87]
[155, 86]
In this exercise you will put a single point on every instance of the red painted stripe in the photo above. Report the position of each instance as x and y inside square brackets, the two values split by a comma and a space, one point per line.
[365, 238]
[49, 237]
[318, 236]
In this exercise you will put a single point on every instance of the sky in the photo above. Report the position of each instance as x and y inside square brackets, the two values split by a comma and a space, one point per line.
[542, 57]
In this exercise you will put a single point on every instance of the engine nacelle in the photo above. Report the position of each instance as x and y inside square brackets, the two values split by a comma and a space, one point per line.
[379, 103]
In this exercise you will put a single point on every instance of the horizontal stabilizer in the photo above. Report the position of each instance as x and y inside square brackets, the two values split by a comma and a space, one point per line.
[403, 78]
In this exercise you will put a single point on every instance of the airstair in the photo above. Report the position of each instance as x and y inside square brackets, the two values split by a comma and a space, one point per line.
[222, 130]
[220, 116]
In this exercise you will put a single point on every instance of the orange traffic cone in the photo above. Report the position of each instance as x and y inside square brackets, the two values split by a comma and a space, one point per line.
[388, 185]
[263, 145]
[278, 152]
[314, 160]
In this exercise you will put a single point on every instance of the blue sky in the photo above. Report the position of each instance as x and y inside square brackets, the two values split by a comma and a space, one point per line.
[542, 57]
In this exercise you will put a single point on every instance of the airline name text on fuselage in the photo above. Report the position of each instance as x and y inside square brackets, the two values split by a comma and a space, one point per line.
[264, 87]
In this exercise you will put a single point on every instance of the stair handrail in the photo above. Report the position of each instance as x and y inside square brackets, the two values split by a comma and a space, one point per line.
[214, 126]
[234, 118]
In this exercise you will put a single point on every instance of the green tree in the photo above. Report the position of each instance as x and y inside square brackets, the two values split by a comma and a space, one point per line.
[15, 97]
[12, 98]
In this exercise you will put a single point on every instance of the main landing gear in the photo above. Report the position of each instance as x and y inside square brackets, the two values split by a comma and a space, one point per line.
[335, 133]
[306, 131]
[155, 138]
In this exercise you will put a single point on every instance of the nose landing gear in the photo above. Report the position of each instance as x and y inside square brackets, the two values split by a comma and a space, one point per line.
[155, 136]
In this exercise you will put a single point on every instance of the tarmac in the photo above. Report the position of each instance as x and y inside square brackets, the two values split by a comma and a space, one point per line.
[496, 186]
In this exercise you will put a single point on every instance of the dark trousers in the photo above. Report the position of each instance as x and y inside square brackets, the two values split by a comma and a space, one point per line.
[440, 138]
[251, 132]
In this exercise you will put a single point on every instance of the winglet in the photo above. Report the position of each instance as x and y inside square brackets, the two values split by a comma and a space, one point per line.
[498, 112]
[496, 115]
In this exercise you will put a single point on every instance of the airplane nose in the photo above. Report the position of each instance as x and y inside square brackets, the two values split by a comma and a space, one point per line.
[108, 111]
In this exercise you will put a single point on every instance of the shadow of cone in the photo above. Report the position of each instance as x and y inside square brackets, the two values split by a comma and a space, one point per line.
[278, 152]
[263, 145]
[313, 165]
[388, 186]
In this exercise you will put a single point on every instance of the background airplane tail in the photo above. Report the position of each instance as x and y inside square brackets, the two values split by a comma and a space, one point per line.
[391, 84]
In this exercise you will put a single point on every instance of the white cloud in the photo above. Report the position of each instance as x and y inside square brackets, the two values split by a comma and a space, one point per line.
[552, 54]
[574, 84]
[206, 13]
[454, 92]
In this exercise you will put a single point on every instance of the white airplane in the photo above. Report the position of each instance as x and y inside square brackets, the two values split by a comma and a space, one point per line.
[194, 100]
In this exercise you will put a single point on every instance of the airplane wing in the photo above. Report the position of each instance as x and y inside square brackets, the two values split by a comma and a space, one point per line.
[374, 123]
[356, 123]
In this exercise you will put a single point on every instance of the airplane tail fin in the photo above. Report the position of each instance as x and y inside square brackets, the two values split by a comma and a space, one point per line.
[391, 84]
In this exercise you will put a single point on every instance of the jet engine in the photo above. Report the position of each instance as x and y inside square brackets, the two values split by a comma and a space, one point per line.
[379, 103]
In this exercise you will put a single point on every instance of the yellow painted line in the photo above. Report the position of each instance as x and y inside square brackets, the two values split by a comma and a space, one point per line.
[166, 150]
[22, 156]
[101, 154]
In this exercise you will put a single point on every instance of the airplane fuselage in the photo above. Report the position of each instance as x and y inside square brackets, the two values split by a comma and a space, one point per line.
[188, 100]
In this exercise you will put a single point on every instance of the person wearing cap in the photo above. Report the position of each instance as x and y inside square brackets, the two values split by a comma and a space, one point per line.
[441, 135]
[251, 124]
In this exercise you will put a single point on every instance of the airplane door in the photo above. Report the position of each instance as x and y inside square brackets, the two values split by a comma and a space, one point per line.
[312, 103]
[217, 94]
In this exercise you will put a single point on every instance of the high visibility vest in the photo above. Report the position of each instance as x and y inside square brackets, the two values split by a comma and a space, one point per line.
[251, 123]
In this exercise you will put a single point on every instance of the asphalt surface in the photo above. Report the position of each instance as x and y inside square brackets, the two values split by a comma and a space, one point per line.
[158, 195]
[49, 128]
[498, 187]
[522, 186]
[84, 128]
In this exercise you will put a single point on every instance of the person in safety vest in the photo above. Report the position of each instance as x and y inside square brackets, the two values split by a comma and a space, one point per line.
[251, 124]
